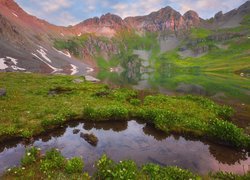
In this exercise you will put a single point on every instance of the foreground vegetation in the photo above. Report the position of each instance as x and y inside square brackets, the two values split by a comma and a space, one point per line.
[36, 103]
[53, 165]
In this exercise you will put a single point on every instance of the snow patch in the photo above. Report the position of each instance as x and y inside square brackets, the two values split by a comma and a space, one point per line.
[91, 79]
[89, 69]
[43, 54]
[2, 64]
[45, 62]
[66, 53]
[14, 14]
[74, 69]
[12, 59]
[42, 48]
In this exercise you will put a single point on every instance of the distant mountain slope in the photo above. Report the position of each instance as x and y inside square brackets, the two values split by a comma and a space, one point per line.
[26, 42]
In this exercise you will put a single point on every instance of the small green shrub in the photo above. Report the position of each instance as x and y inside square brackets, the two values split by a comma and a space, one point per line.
[228, 132]
[30, 156]
[135, 102]
[27, 133]
[104, 167]
[107, 169]
[74, 165]
[124, 94]
[125, 170]
[229, 176]
[52, 161]
[153, 171]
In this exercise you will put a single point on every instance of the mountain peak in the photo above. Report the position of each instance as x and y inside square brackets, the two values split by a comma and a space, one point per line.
[192, 18]
[110, 16]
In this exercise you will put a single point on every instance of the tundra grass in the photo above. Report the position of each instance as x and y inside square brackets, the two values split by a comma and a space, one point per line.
[53, 165]
[35, 103]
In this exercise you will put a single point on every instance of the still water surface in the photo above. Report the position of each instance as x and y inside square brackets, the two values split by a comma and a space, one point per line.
[132, 140]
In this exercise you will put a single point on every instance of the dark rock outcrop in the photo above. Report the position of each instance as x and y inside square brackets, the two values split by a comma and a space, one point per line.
[76, 131]
[90, 138]
[166, 19]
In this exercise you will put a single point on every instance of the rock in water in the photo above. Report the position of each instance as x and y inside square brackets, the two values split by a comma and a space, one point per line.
[90, 138]
[76, 131]
[3, 92]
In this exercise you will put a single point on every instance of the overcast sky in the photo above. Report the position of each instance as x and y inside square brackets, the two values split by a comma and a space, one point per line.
[69, 12]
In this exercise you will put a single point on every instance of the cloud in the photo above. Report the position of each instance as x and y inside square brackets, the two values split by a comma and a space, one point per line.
[141, 7]
[68, 12]
[51, 6]
[66, 19]
[206, 8]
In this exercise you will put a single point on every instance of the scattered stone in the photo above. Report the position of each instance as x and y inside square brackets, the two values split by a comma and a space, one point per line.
[90, 138]
[242, 74]
[91, 79]
[78, 81]
[3, 92]
[76, 131]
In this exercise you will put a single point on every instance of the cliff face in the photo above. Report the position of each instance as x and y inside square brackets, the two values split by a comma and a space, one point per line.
[98, 46]
[166, 19]
[106, 25]
[230, 19]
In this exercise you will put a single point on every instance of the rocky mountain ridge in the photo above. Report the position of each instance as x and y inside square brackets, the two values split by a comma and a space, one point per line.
[30, 40]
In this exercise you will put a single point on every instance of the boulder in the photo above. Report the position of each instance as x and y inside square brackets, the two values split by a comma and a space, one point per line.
[90, 138]
[76, 131]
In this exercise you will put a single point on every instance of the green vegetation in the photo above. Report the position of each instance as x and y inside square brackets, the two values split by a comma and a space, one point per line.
[199, 33]
[54, 166]
[31, 107]
[30, 156]
[132, 40]
[229, 176]
[125, 41]
[104, 64]
[232, 86]
[234, 58]
[73, 45]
